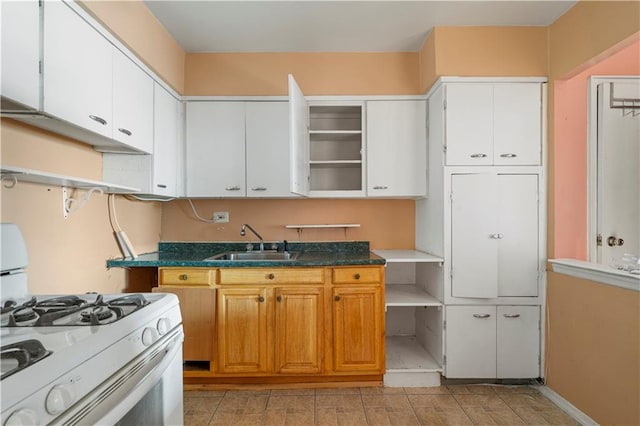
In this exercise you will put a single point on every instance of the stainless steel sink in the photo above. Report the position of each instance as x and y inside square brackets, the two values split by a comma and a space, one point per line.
[253, 256]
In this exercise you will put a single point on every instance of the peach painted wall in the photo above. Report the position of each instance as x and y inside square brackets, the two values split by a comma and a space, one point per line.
[386, 224]
[262, 74]
[593, 348]
[135, 26]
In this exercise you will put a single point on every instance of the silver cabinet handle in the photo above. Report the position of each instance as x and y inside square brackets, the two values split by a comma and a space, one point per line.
[512, 315]
[497, 236]
[481, 315]
[125, 131]
[161, 185]
[381, 187]
[259, 188]
[232, 188]
[98, 119]
[478, 155]
[508, 155]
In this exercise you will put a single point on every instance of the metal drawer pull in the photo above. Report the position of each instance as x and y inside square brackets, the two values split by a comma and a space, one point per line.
[259, 188]
[478, 155]
[232, 188]
[497, 236]
[98, 119]
[336, 298]
[271, 276]
[381, 187]
[512, 315]
[481, 315]
[125, 131]
[261, 299]
[508, 155]
[183, 277]
[161, 185]
[356, 276]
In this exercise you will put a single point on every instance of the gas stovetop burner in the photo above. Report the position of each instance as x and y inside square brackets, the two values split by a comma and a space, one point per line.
[24, 314]
[99, 315]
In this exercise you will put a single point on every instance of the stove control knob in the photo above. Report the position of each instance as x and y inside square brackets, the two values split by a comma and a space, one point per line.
[164, 325]
[149, 335]
[59, 399]
[24, 416]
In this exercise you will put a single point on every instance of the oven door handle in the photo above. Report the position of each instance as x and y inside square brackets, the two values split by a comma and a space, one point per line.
[110, 401]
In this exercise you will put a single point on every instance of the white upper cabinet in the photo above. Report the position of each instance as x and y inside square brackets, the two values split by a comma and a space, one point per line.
[20, 47]
[77, 71]
[396, 148]
[215, 149]
[299, 139]
[132, 104]
[166, 143]
[267, 146]
[493, 124]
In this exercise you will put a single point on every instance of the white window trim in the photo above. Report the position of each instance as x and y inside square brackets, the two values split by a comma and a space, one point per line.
[596, 272]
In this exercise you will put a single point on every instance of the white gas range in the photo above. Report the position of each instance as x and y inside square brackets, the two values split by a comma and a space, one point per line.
[89, 358]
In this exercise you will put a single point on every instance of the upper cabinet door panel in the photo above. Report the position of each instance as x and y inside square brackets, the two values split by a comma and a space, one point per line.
[20, 47]
[215, 161]
[166, 142]
[469, 124]
[299, 139]
[517, 124]
[132, 104]
[396, 148]
[77, 70]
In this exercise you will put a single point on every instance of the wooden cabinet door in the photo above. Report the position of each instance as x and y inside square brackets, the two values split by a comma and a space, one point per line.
[165, 143]
[518, 350]
[517, 123]
[470, 338]
[469, 124]
[299, 331]
[132, 104]
[244, 343]
[358, 329]
[198, 307]
[78, 70]
[396, 148]
[215, 149]
[267, 127]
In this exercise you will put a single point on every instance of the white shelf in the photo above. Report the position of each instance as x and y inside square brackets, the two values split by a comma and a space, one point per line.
[408, 256]
[45, 178]
[335, 163]
[408, 295]
[405, 355]
[335, 132]
[327, 225]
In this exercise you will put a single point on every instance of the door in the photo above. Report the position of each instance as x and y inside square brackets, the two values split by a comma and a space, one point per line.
[166, 141]
[396, 148]
[298, 139]
[215, 163]
[618, 171]
[474, 232]
[518, 343]
[243, 326]
[299, 332]
[470, 338]
[358, 330]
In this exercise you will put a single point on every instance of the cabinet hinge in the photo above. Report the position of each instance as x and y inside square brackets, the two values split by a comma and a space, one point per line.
[539, 360]
[451, 273]
[451, 196]
[40, 67]
[539, 325]
[444, 360]
[444, 325]
[444, 148]
[444, 104]
[599, 240]
[40, 3]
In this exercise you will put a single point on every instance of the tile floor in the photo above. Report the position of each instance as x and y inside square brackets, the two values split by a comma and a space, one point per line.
[444, 405]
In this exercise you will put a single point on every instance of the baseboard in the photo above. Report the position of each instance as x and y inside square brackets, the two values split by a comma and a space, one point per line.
[566, 406]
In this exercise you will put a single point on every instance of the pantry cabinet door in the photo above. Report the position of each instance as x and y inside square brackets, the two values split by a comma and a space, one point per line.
[299, 139]
[166, 142]
[518, 350]
[518, 226]
[469, 124]
[215, 149]
[517, 124]
[474, 235]
[470, 342]
[78, 66]
[396, 148]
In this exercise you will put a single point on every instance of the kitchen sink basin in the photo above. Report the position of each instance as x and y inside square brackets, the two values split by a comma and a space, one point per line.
[253, 256]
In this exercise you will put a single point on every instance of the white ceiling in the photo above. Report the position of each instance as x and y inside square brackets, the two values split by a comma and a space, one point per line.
[337, 25]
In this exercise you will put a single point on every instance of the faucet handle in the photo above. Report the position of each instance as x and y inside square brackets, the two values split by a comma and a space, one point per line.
[249, 247]
[286, 246]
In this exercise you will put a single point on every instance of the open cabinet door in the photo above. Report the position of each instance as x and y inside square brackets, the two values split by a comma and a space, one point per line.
[298, 139]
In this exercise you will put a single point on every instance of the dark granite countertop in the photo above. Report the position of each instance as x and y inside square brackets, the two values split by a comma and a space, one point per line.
[193, 254]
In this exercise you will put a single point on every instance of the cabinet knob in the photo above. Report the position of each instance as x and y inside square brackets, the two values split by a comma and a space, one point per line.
[356, 276]
[98, 119]
[271, 276]
[481, 315]
[613, 241]
[183, 277]
[261, 299]
[508, 155]
[125, 131]
[336, 298]
[279, 298]
[232, 188]
[512, 315]
[497, 236]
[478, 155]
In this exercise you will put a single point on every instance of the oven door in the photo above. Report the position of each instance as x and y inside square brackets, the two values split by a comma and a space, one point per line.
[146, 391]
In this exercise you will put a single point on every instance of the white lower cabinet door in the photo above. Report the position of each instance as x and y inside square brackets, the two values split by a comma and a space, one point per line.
[470, 342]
[518, 342]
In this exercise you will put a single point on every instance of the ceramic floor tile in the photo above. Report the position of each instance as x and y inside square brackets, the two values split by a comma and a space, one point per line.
[442, 416]
[480, 400]
[520, 389]
[237, 418]
[294, 402]
[329, 416]
[382, 391]
[245, 404]
[396, 402]
[203, 393]
[489, 416]
[550, 416]
[344, 402]
[433, 390]
[471, 389]
[536, 401]
[196, 419]
[338, 391]
[441, 401]
[382, 416]
[288, 417]
[201, 405]
[289, 392]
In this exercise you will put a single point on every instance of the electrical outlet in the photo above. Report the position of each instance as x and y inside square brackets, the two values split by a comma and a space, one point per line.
[220, 217]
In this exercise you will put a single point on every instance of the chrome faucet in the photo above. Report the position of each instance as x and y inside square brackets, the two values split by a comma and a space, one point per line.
[243, 232]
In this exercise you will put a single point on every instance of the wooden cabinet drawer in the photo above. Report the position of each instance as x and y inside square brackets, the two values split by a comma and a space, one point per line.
[270, 276]
[357, 275]
[193, 277]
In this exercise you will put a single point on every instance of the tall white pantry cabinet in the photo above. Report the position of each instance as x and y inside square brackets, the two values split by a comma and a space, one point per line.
[485, 215]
